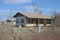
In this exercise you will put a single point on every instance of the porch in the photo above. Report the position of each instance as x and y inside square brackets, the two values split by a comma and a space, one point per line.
[37, 22]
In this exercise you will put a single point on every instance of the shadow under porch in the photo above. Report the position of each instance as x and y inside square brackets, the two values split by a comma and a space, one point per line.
[37, 22]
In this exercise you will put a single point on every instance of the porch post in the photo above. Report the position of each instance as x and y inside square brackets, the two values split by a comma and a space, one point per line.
[38, 22]
[39, 27]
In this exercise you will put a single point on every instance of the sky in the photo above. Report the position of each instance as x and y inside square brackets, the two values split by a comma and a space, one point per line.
[14, 6]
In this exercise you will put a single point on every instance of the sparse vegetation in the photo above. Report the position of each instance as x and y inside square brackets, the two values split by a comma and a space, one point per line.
[8, 32]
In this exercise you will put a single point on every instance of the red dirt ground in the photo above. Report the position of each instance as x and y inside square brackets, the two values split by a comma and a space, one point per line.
[44, 37]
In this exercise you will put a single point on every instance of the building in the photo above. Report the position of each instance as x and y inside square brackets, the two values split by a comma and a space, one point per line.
[11, 21]
[32, 19]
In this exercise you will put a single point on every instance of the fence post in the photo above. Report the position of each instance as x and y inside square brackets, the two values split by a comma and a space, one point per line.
[39, 29]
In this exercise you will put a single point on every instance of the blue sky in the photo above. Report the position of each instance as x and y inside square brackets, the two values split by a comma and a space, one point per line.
[47, 6]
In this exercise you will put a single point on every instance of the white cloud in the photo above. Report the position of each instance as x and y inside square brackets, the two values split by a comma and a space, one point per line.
[16, 1]
[31, 8]
[40, 9]
[7, 11]
[57, 10]
[49, 9]
[4, 10]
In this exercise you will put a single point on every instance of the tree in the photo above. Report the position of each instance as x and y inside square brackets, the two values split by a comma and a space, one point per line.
[36, 7]
[55, 20]
[53, 16]
[10, 16]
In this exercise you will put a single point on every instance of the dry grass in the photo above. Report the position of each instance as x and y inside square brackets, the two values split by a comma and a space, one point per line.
[7, 32]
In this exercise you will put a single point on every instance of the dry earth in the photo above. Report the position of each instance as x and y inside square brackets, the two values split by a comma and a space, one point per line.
[8, 32]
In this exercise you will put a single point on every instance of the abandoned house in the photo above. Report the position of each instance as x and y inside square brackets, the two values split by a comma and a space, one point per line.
[32, 19]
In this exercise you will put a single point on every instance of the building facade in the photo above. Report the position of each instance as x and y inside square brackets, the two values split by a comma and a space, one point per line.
[31, 19]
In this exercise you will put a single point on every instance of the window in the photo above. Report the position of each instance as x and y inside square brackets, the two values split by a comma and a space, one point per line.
[41, 21]
[48, 21]
[30, 21]
[22, 20]
[17, 21]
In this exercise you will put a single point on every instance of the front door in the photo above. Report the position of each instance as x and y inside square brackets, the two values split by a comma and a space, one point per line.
[36, 22]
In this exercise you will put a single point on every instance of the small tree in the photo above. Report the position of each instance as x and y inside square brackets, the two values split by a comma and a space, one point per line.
[36, 7]
[53, 16]
[10, 16]
[56, 20]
